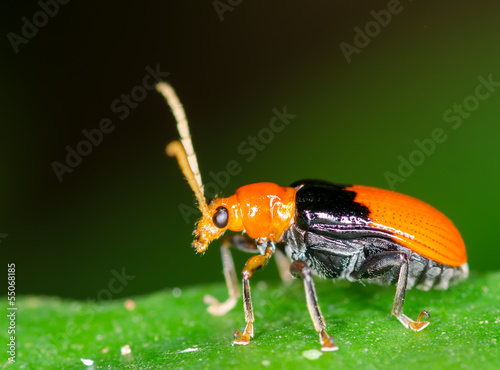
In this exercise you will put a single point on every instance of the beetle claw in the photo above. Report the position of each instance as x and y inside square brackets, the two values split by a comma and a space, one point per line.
[422, 314]
[420, 325]
[414, 325]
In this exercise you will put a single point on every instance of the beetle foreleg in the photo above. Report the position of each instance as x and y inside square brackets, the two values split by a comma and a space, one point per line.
[240, 242]
[301, 269]
[253, 264]
[381, 263]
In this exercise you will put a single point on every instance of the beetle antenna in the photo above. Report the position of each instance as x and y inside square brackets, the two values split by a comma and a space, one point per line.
[176, 149]
[173, 101]
[183, 150]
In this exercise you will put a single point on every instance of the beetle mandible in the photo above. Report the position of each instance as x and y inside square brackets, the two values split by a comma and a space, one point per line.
[352, 232]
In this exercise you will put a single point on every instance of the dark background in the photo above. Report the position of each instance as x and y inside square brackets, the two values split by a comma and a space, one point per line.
[118, 209]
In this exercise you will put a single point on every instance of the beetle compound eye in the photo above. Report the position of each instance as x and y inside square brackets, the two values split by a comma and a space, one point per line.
[221, 217]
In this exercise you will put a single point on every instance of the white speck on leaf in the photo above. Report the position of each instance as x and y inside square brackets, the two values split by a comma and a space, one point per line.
[312, 354]
[87, 362]
[188, 350]
[125, 350]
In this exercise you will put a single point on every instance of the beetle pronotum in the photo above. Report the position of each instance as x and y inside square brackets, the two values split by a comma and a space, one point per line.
[350, 232]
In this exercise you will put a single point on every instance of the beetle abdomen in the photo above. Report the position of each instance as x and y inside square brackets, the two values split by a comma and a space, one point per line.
[341, 258]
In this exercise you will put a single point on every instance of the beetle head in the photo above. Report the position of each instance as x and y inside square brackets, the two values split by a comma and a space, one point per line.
[222, 214]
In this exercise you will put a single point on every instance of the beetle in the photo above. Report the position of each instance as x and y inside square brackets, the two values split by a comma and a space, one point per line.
[351, 232]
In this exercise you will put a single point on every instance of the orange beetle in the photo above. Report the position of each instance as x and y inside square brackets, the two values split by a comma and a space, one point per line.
[349, 232]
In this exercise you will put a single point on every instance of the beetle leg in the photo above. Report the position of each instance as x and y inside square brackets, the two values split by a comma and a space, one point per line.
[253, 264]
[399, 300]
[301, 269]
[379, 264]
[283, 264]
[245, 244]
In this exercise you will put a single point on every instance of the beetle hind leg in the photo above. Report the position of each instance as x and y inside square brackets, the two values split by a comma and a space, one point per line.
[301, 269]
[399, 300]
[381, 263]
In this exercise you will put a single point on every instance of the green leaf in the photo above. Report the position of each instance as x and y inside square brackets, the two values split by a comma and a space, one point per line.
[171, 330]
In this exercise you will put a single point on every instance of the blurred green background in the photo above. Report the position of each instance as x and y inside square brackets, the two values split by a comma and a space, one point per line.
[119, 208]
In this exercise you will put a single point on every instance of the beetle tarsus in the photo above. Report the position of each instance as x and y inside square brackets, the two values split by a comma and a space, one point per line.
[326, 341]
[243, 338]
[414, 325]
[419, 324]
